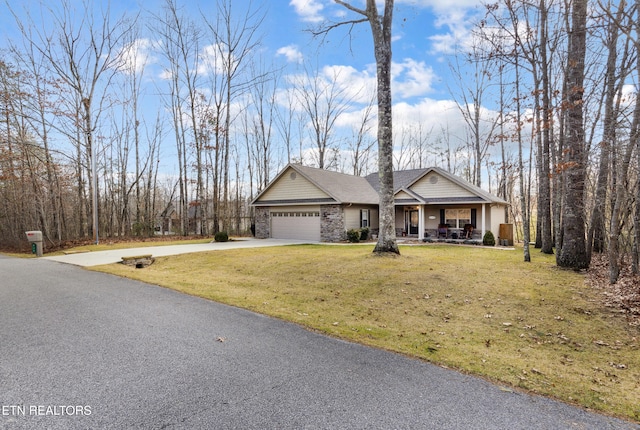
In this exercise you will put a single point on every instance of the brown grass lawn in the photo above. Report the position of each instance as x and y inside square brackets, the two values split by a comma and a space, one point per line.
[483, 311]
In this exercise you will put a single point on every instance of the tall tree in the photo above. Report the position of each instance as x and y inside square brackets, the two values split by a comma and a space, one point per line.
[323, 100]
[362, 143]
[612, 83]
[573, 253]
[235, 39]
[472, 95]
[39, 108]
[635, 260]
[545, 130]
[180, 42]
[83, 54]
[381, 31]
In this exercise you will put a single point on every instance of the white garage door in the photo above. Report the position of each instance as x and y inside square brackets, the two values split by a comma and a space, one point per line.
[302, 225]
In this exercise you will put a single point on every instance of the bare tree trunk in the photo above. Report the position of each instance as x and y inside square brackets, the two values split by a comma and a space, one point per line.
[544, 173]
[234, 40]
[574, 253]
[381, 32]
[635, 260]
[525, 196]
[597, 230]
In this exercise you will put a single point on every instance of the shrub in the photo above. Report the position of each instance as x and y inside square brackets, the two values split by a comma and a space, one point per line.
[221, 236]
[488, 239]
[142, 229]
[364, 234]
[353, 235]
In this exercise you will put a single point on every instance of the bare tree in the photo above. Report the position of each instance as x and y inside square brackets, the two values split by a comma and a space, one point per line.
[573, 253]
[263, 102]
[83, 55]
[613, 81]
[323, 100]
[362, 144]
[285, 121]
[472, 93]
[39, 107]
[234, 41]
[181, 41]
[636, 138]
[381, 32]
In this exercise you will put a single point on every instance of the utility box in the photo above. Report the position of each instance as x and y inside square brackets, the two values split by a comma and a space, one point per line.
[505, 236]
[35, 239]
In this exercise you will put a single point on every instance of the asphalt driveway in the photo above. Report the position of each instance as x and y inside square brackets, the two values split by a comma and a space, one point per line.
[80, 349]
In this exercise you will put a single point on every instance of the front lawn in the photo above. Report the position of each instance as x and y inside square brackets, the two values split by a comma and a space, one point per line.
[526, 326]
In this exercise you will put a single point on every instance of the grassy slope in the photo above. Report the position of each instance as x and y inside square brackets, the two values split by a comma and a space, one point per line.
[484, 311]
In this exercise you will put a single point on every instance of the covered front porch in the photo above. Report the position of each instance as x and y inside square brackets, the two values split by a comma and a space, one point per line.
[444, 222]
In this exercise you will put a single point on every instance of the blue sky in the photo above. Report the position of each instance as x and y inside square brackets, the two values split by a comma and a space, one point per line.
[426, 33]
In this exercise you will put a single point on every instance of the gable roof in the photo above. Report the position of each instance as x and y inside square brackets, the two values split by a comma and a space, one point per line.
[404, 179]
[401, 179]
[344, 188]
[340, 187]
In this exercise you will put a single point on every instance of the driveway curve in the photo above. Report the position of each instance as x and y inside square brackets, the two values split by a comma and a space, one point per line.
[95, 258]
[81, 350]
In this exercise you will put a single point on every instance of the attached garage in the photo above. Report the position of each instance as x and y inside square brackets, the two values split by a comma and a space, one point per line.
[310, 204]
[299, 224]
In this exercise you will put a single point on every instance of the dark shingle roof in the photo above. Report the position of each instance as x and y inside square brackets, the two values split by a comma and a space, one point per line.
[343, 188]
[401, 179]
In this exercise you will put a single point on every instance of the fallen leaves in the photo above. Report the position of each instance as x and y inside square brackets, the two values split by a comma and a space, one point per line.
[623, 296]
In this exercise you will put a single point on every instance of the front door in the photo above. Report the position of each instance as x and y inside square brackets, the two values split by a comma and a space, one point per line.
[413, 221]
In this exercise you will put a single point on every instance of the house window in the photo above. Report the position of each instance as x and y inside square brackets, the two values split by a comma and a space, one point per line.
[364, 218]
[457, 218]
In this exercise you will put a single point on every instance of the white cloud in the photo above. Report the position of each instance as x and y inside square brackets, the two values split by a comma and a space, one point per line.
[428, 113]
[412, 78]
[356, 85]
[308, 10]
[443, 6]
[209, 60]
[291, 53]
[135, 56]
[455, 19]
[165, 74]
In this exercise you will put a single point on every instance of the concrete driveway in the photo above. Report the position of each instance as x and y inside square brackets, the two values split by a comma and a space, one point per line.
[83, 350]
[96, 258]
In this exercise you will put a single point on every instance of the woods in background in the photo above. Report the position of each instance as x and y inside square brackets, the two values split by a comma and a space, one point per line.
[547, 94]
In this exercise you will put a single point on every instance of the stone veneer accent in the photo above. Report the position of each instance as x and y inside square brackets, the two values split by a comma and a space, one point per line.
[332, 223]
[263, 223]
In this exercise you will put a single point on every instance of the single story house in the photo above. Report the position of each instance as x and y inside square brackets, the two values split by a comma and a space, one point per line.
[319, 205]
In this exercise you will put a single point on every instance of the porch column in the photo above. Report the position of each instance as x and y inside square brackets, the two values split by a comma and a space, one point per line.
[484, 225]
[420, 222]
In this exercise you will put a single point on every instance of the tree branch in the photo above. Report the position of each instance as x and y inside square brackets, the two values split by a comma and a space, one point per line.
[352, 8]
[326, 29]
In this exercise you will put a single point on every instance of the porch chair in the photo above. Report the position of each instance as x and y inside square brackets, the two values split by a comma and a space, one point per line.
[442, 230]
[468, 231]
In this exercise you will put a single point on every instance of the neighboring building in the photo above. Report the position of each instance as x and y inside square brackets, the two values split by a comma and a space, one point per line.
[319, 205]
[167, 220]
